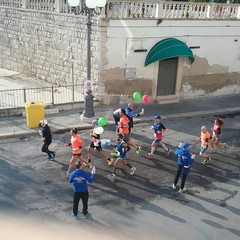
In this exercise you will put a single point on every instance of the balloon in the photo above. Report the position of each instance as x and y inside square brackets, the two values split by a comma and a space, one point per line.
[98, 130]
[102, 121]
[137, 96]
[146, 98]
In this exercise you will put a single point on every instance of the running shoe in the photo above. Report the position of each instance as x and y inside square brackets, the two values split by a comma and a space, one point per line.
[138, 149]
[84, 216]
[85, 164]
[209, 158]
[110, 161]
[52, 158]
[114, 154]
[133, 169]
[53, 155]
[168, 151]
[174, 186]
[111, 177]
[182, 190]
[74, 216]
[205, 162]
[149, 155]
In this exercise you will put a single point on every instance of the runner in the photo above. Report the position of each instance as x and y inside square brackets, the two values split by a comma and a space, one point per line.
[77, 143]
[217, 133]
[122, 149]
[96, 144]
[123, 127]
[130, 114]
[47, 139]
[158, 129]
[185, 160]
[116, 116]
[79, 179]
[206, 140]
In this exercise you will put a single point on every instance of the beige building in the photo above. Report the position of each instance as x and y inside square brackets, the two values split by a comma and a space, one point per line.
[180, 50]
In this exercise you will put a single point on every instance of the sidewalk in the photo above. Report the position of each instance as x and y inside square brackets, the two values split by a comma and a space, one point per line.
[65, 120]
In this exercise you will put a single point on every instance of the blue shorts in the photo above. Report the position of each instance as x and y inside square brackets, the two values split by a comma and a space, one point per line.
[203, 150]
[122, 156]
[157, 140]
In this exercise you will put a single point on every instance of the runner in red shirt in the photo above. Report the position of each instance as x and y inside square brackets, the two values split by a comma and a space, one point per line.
[217, 133]
[77, 143]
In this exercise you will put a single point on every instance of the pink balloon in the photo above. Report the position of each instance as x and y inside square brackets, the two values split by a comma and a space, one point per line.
[146, 98]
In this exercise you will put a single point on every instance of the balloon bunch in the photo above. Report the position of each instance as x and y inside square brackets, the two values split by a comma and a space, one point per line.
[137, 97]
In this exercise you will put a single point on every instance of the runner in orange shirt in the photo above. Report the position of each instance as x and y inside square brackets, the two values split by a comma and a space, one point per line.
[123, 127]
[77, 143]
[206, 140]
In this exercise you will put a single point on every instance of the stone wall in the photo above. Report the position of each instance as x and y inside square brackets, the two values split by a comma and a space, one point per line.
[47, 46]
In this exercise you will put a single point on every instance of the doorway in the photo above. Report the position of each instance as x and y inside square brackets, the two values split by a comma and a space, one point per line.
[167, 75]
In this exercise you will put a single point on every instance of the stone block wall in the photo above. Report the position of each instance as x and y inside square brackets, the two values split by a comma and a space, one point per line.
[47, 46]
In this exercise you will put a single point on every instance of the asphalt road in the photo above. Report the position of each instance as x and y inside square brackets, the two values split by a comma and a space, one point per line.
[36, 197]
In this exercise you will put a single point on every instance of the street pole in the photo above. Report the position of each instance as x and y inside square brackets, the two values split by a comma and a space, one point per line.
[89, 7]
[89, 26]
[88, 105]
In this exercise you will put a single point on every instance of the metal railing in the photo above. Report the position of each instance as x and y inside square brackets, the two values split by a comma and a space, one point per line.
[137, 9]
[170, 10]
[53, 95]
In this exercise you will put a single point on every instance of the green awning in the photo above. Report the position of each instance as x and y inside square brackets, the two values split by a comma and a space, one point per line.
[168, 48]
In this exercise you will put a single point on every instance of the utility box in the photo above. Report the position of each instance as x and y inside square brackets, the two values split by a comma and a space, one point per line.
[34, 113]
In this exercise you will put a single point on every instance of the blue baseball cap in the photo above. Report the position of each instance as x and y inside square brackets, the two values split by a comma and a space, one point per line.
[95, 122]
[157, 117]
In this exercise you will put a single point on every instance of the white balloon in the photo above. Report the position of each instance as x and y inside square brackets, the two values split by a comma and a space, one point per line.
[98, 130]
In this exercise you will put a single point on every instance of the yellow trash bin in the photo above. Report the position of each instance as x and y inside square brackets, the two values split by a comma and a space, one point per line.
[34, 113]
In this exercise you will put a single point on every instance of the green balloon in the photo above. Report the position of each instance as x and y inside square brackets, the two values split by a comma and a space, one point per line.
[102, 121]
[137, 96]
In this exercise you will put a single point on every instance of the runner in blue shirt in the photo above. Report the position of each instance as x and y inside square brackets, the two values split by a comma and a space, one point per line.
[158, 128]
[121, 147]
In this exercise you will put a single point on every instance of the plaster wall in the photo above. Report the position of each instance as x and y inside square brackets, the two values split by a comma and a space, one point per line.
[215, 45]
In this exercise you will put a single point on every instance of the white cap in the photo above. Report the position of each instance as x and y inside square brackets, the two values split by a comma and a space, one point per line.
[44, 121]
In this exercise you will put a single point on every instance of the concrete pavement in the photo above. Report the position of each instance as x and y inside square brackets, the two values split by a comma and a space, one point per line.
[16, 125]
[143, 206]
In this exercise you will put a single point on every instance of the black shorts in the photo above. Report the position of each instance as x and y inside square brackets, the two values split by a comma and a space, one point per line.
[98, 148]
[78, 154]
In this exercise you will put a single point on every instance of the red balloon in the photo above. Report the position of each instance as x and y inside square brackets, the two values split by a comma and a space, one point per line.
[146, 98]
